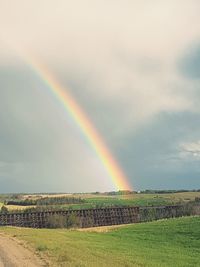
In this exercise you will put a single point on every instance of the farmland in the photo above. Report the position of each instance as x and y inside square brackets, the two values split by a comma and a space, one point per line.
[173, 242]
[104, 200]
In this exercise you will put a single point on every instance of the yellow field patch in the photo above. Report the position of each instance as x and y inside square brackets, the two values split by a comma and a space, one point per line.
[16, 207]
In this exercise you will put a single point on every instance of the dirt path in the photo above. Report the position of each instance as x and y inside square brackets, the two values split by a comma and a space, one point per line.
[14, 254]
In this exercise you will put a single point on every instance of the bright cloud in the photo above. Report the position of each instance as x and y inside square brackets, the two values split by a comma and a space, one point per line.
[189, 150]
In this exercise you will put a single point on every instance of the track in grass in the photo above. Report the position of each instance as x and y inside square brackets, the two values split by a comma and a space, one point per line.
[173, 242]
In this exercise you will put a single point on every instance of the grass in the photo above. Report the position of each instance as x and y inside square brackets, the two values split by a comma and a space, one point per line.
[173, 242]
[100, 200]
[92, 201]
[18, 207]
[121, 201]
[113, 201]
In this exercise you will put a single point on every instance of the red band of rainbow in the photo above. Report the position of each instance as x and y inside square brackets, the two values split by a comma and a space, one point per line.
[71, 106]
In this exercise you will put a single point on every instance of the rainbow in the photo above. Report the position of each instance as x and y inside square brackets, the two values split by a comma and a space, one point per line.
[71, 106]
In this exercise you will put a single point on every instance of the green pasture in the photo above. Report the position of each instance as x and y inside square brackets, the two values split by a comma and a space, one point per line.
[92, 201]
[103, 200]
[113, 201]
[173, 242]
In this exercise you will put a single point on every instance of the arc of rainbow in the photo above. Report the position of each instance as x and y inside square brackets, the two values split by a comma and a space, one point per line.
[71, 106]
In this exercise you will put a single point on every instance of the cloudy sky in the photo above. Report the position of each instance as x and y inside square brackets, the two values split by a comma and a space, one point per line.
[132, 65]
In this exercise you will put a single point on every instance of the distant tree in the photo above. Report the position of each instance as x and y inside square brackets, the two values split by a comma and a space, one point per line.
[15, 196]
[59, 201]
[4, 209]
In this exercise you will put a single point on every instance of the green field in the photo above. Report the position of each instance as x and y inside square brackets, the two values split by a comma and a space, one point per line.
[103, 200]
[138, 199]
[173, 242]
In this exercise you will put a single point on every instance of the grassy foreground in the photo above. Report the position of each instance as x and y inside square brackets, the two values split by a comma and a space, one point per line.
[173, 242]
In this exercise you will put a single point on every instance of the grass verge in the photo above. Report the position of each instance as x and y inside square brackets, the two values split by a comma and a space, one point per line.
[173, 242]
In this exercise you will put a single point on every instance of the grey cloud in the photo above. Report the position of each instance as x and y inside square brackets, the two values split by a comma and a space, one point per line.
[117, 56]
[189, 65]
[153, 154]
[41, 148]
[119, 60]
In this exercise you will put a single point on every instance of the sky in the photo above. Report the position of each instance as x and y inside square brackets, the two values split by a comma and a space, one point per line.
[134, 68]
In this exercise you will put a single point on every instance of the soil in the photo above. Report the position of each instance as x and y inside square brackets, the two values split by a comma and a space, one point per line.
[13, 253]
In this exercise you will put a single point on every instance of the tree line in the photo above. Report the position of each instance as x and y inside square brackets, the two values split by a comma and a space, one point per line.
[45, 201]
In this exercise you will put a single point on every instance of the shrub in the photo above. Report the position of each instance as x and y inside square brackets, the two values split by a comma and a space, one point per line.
[61, 221]
[4, 209]
[59, 201]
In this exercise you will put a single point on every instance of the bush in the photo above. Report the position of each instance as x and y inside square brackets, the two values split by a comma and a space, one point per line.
[62, 221]
[26, 202]
[4, 210]
[59, 201]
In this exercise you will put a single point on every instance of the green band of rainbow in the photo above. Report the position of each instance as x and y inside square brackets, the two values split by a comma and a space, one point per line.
[118, 177]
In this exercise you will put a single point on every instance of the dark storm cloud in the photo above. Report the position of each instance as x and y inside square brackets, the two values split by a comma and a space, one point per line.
[154, 153]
